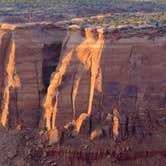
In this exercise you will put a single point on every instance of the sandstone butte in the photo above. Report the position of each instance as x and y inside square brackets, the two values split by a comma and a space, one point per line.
[101, 89]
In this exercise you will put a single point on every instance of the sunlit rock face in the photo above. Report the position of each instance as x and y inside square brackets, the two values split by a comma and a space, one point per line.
[49, 77]
[83, 56]
[125, 73]
[4, 42]
[26, 65]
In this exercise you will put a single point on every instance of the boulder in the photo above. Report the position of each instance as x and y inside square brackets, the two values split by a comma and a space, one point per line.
[54, 136]
[83, 124]
[96, 134]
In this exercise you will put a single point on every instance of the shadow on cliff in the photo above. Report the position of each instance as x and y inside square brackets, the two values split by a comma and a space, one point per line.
[88, 52]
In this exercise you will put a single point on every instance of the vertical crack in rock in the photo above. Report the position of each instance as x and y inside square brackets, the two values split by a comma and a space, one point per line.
[99, 81]
[55, 109]
[75, 87]
[12, 81]
[96, 56]
[4, 44]
[84, 53]
[89, 54]
[115, 123]
[90, 57]
[51, 99]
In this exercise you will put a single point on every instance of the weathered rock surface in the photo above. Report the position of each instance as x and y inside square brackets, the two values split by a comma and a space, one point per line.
[109, 82]
[29, 66]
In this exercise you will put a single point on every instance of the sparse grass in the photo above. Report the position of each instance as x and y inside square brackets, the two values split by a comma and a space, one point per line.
[125, 7]
[129, 19]
[114, 3]
[157, 18]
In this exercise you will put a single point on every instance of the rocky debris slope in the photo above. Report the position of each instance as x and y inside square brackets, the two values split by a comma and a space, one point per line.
[27, 147]
[9, 148]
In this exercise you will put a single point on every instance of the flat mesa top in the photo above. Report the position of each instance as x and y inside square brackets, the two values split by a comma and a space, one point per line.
[21, 11]
[130, 22]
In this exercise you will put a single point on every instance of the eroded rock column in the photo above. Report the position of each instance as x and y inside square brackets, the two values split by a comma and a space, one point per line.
[89, 54]
[12, 81]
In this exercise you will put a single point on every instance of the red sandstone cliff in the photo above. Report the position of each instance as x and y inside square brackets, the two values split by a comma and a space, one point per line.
[93, 83]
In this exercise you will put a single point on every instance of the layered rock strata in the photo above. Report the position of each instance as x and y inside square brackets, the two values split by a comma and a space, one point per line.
[52, 75]
[27, 64]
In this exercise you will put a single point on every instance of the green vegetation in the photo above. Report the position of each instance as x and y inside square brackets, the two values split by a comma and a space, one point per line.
[135, 19]
[157, 19]
[56, 9]
[121, 5]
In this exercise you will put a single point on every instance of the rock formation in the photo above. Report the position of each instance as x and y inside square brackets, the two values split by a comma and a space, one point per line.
[92, 82]
[89, 60]
[24, 58]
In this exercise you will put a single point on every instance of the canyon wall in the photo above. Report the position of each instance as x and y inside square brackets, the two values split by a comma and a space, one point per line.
[27, 59]
[52, 77]
[116, 75]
